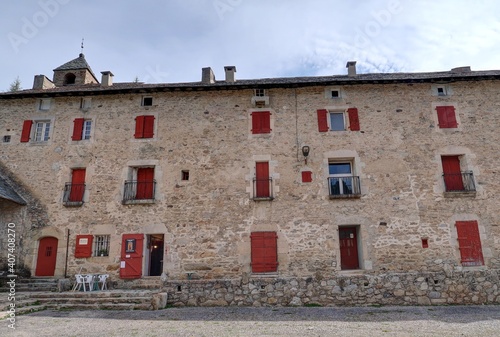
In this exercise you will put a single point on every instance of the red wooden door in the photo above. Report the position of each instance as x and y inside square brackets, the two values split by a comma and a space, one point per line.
[452, 174]
[145, 182]
[262, 180]
[77, 185]
[131, 256]
[348, 248]
[469, 243]
[47, 255]
[264, 252]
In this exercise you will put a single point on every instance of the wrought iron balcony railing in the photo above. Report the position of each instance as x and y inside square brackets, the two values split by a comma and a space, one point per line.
[459, 182]
[263, 189]
[344, 187]
[73, 194]
[139, 191]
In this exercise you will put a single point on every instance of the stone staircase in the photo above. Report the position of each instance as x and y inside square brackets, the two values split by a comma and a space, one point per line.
[40, 294]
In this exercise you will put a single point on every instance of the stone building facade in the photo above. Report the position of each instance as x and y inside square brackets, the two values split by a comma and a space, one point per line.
[348, 189]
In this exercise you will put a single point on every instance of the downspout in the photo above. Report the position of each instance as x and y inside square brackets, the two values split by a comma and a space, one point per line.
[66, 263]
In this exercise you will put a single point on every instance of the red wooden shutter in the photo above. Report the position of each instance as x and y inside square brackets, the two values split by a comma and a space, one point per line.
[264, 252]
[77, 185]
[306, 176]
[145, 183]
[25, 134]
[322, 120]
[148, 130]
[77, 129]
[469, 243]
[83, 247]
[353, 119]
[452, 174]
[139, 127]
[262, 180]
[261, 122]
[446, 117]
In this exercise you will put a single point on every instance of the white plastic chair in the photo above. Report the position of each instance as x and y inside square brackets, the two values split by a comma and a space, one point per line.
[79, 282]
[88, 279]
[102, 279]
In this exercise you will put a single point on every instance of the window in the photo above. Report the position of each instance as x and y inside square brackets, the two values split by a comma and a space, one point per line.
[446, 117]
[74, 191]
[456, 180]
[348, 243]
[469, 243]
[335, 93]
[42, 130]
[141, 187]
[144, 126]
[261, 122]
[6, 139]
[147, 101]
[441, 91]
[86, 103]
[262, 181]
[70, 78]
[184, 175]
[337, 120]
[101, 245]
[260, 92]
[264, 252]
[81, 129]
[341, 181]
[44, 104]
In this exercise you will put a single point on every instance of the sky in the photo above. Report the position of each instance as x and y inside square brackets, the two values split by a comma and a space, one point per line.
[170, 41]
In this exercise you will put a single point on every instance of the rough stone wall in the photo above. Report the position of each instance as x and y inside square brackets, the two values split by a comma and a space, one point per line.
[207, 220]
[465, 287]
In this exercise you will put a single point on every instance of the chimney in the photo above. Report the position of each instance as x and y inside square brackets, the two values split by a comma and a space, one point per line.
[42, 82]
[207, 75]
[230, 70]
[465, 69]
[107, 78]
[351, 68]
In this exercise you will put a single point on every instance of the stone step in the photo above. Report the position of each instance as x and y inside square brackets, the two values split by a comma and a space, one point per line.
[99, 306]
[94, 294]
[98, 300]
[23, 310]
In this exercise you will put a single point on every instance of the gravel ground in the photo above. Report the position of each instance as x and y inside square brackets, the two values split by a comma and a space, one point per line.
[443, 321]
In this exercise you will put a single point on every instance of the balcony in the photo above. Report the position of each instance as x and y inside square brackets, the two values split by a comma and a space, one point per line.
[139, 192]
[73, 194]
[459, 184]
[344, 187]
[263, 189]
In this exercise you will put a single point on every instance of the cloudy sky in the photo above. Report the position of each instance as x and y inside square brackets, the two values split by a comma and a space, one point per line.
[171, 40]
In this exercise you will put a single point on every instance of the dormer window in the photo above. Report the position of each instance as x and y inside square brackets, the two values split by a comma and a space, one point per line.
[335, 93]
[260, 92]
[441, 91]
[70, 78]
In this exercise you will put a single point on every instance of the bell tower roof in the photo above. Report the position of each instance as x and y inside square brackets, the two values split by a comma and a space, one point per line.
[76, 71]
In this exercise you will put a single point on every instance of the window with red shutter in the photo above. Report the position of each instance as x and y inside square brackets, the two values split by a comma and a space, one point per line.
[145, 183]
[446, 117]
[77, 129]
[264, 252]
[306, 176]
[452, 173]
[469, 243]
[25, 134]
[83, 247]
[261, 122]
[262, 180]
[144, 126]
[77, 185]
[353, 119]
[322, 120]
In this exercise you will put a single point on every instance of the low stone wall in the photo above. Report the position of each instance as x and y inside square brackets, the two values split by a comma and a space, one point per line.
[464, 287]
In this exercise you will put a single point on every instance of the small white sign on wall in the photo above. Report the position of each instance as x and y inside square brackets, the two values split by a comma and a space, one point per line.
[83, 241]
[122, 264]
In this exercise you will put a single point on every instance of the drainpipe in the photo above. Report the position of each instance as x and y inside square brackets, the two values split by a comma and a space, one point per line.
[66, 263]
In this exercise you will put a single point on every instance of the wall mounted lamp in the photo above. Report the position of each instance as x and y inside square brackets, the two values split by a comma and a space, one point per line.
[305, 152]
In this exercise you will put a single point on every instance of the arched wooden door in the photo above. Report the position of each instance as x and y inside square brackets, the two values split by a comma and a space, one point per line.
[47, 255]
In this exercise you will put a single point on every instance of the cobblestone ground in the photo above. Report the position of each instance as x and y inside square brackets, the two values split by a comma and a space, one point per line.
[249, 321]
